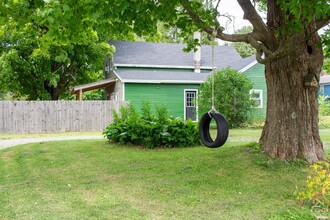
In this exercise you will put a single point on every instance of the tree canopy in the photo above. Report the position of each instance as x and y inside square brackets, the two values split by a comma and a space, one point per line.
[46, 47]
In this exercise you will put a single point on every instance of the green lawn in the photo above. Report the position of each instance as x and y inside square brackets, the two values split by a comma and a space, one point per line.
[93, 179]
[66, 134]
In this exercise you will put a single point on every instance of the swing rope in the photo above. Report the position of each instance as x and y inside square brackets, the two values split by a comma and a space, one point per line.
[220, 120]
[213, 68]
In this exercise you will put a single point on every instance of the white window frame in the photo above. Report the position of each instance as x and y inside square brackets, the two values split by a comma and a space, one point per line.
[257, 91]
[321, 89]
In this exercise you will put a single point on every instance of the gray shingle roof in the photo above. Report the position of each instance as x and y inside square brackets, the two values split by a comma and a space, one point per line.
[166, 54]
[145, 54]
[238, 65]
[160, 76]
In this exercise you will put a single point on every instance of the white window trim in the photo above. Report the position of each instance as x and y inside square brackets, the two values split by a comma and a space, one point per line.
[260, 96]
[185, 102]
[321, 89]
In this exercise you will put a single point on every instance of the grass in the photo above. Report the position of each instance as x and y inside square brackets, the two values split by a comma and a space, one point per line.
[93, 179]
[66, 134]
[325, 137]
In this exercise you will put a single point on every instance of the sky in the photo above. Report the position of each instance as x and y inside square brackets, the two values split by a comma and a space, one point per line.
[231, 7]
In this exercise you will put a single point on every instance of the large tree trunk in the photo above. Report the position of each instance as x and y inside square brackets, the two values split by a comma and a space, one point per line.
[291, 128]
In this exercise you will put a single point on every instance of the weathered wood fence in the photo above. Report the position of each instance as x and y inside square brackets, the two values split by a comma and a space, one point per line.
[55, 116]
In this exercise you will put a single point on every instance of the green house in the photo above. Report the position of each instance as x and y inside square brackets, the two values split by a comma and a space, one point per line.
[162, 73]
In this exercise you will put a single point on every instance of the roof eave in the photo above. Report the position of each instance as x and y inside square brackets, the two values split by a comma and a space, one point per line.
[163, 81]
[160, 66]
[248, 66]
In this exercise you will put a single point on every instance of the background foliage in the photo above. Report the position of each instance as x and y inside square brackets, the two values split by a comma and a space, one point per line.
[244, 49]
[231, 95]
[47, 47]
[324, 106]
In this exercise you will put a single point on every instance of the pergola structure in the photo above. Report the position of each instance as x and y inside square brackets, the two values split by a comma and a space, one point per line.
[79, 90]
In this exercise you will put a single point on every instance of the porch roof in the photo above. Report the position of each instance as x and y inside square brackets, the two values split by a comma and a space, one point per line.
[93, 85]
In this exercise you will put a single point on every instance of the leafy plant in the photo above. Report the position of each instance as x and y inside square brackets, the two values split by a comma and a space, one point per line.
[231, 96]
[151, 130]
[324, 106]
[324, 122]
[317, 191]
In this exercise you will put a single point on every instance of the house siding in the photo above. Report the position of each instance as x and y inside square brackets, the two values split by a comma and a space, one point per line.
[257, 77]
[327, 90]
[164, 69]
[171, 95]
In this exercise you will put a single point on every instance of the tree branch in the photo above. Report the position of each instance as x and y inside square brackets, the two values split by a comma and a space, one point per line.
[256, 38]
[250, 38]
[252, 16]
[321, 23]
[216, 7]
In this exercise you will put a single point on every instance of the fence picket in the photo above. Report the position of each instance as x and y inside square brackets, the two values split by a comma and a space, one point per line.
[55, 116]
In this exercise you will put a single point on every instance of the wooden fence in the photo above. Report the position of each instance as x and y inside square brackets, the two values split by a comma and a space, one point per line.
[55, 116]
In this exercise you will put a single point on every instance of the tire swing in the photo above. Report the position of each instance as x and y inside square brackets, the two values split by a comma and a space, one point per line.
[221, 122]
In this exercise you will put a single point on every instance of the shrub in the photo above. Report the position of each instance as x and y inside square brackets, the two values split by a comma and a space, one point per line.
[324, 121]
[324, 106]
[151, 130]
[317, 191]
[231, 96]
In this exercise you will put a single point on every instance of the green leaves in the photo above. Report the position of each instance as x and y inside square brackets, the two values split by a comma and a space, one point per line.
[149, 130]
[231, 95]
[300, 14]
[56, 44]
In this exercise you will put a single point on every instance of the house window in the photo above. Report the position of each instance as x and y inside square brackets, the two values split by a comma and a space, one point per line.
[256, 97]
[191, 99]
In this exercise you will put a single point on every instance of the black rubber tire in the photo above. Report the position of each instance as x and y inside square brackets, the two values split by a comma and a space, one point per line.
[222, 129]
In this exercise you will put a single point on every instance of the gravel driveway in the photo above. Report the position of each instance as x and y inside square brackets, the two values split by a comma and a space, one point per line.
[6, 143]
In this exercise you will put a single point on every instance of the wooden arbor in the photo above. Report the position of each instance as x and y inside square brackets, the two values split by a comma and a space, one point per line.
[79, 90]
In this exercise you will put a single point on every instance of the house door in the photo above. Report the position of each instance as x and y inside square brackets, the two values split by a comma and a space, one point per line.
[191, 104]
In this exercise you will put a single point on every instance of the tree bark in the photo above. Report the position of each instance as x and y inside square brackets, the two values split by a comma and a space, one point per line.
[291, 129]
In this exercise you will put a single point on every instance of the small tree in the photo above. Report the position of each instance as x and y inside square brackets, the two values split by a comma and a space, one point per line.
[231, 95]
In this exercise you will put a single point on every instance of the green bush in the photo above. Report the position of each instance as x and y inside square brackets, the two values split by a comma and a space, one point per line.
[231, 96]
[151, 130]
[324, 122]
[324, 106]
